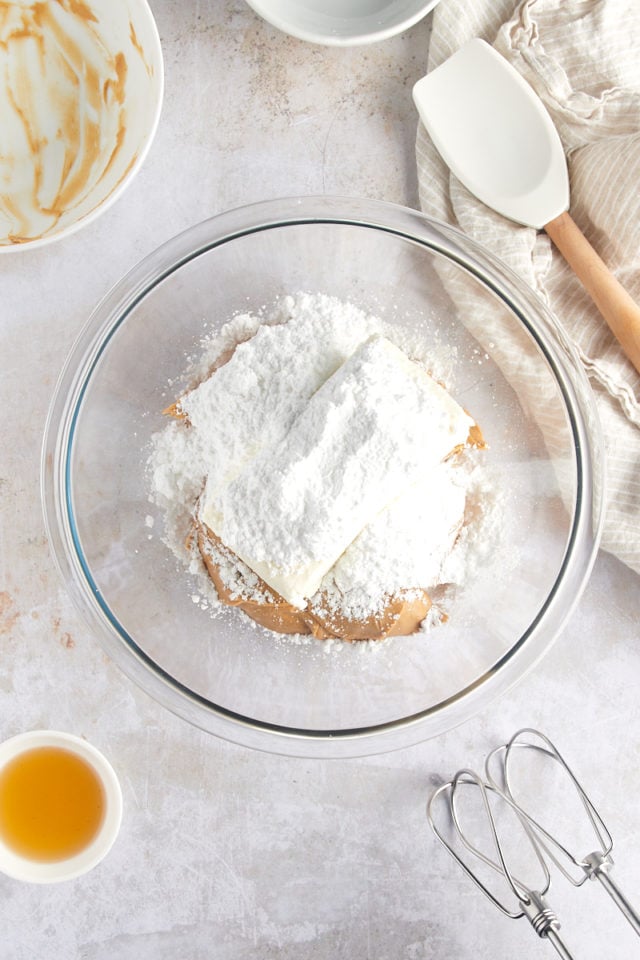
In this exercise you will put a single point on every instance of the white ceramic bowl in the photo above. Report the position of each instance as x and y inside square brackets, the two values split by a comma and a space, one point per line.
[342, 23]
[79, 106]
[22, 868]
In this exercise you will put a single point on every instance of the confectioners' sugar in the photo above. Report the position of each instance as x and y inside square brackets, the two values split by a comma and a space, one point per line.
[366, 435]
[241, 582]
[268, 366]
[254, 398]
[296, 358]
[406, 544]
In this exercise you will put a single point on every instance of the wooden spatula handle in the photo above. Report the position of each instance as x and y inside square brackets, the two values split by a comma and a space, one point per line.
[612, 300]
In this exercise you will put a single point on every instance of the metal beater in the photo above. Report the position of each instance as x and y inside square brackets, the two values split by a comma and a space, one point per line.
[595, 865]
[500, 785]
[528, 902]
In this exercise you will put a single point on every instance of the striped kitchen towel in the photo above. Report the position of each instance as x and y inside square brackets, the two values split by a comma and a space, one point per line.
[582, 57]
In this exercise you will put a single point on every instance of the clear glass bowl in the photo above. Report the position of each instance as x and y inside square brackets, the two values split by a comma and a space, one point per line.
[513, 371]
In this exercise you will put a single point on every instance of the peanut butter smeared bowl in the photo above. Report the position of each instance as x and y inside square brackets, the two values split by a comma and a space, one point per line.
[509, 368]
[80, 101]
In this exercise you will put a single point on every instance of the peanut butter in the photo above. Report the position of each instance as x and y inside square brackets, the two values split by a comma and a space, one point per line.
[400, 616]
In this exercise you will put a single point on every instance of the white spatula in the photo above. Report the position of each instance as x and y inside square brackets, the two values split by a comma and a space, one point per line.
[496, 136]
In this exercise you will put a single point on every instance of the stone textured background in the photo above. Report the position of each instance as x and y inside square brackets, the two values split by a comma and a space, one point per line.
[225, 853]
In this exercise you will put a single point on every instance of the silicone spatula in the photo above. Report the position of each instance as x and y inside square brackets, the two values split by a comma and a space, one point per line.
[496, 136]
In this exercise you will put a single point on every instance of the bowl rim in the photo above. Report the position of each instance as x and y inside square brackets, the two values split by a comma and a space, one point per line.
[132, 171]
[264, 9]
[409, 224]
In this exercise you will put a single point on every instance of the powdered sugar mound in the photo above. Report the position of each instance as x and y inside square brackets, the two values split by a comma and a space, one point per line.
[483, 529]
[253, 399]
[370, 430]
[176, 482]
[267, 367]
[406, 545]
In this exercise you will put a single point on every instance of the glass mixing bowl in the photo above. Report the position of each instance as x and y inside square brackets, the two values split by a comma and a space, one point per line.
[513, 370]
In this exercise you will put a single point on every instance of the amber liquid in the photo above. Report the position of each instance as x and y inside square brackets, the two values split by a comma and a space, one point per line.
[52, 804]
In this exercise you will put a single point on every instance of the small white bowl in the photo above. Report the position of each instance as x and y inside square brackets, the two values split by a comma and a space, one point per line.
[34, 871]
[80, 102]
[342, 23]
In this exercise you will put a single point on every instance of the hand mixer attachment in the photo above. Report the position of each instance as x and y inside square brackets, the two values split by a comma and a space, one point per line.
[514, 770]
[526, 902]
[596, 865]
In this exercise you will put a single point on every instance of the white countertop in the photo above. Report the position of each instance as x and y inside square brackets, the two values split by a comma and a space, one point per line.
[225, 853]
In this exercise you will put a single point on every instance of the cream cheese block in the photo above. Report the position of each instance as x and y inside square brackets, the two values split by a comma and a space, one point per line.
[367, 434]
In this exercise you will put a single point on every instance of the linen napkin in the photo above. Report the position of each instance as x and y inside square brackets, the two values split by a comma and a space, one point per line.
[582, 57]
